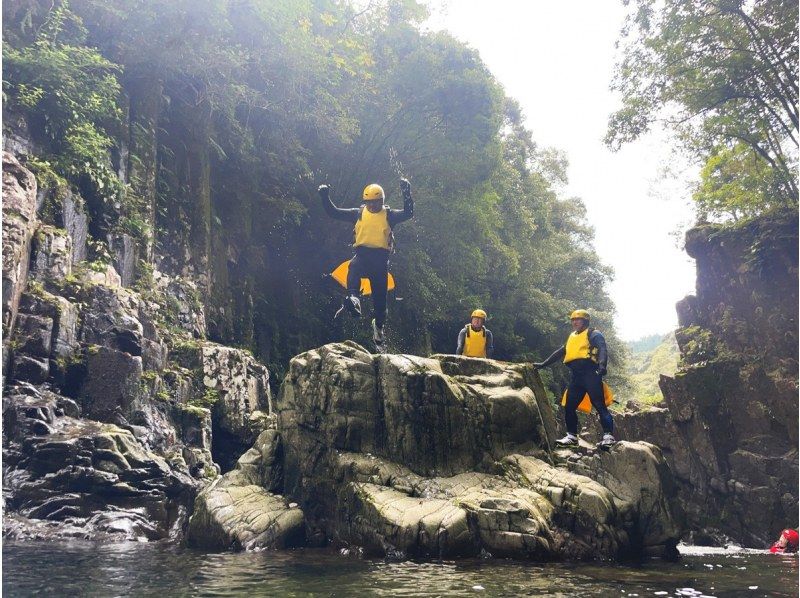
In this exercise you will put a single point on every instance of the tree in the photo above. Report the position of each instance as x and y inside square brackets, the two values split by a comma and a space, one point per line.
[723, 73]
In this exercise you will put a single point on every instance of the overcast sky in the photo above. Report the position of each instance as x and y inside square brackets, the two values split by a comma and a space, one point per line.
[556, 58]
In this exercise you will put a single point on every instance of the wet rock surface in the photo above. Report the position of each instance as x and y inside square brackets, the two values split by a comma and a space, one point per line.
[239, 511]
[93, 479]
[108, 433]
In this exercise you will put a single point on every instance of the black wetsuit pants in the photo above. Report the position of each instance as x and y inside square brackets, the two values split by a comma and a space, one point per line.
[373, 264]
[584, 380]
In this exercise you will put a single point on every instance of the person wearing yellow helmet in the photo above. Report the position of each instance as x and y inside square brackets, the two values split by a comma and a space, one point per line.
[475, 340]
[586, 355]
[372, 227]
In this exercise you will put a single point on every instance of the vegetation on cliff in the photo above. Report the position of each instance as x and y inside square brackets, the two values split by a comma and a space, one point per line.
[221, 118]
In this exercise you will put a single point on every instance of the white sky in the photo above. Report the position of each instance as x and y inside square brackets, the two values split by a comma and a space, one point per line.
[556, 58]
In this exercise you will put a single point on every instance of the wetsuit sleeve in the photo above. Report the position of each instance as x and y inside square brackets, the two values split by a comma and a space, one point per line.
[461, 338]
[557, 355]
[599, 341]
[346, 214]
[407, 213]
[489, 344]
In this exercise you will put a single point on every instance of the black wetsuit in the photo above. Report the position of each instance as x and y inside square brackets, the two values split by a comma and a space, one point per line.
[585, 379]
[371, 263]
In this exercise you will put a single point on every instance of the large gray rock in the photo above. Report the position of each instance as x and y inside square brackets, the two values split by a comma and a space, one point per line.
[451, 456]
[72, 217]
[111, 386]
[123, 250]
[62, 313]
[19, 222]
[237, 511]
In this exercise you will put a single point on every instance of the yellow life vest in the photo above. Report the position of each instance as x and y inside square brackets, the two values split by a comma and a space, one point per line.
[586, 404]
[579, 347]
[475, 342]
[373, 230]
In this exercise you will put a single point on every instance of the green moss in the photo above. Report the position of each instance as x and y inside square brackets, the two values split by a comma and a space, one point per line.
[207, 401]
[149, 375]
[197, 411]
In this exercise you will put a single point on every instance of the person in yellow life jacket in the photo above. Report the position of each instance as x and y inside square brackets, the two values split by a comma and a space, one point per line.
[372, 225]
[586, 356]
[475, 340]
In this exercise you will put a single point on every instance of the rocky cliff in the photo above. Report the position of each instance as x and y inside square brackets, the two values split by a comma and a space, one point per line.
[116, 411]
[730, 429]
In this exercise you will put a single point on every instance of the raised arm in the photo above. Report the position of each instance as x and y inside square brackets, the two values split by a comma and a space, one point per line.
[398, 216]
[345, 214]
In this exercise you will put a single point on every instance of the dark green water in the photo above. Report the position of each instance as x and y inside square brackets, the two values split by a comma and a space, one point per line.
[83, 569]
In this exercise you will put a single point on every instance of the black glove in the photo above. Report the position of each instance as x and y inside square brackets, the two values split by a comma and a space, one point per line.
[601, 371]
[405, 187]
[323, 191]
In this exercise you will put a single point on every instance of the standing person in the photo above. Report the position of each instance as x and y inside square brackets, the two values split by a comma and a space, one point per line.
[586, 356]
[373, 223]
[475, 340]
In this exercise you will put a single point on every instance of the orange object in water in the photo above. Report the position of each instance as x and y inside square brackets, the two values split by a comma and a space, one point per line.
[340, 276]
[586, 404]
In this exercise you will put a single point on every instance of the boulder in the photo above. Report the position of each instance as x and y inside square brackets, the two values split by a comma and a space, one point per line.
[111, 385]
[237, 511]
[451, 456]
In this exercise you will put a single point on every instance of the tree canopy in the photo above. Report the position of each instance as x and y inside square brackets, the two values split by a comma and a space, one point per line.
[233, 111]
[724, 75]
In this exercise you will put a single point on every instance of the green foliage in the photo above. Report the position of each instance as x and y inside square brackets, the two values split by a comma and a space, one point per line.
[207, 400]
[723, 74]
[250, 105]
[650, 358]
[69, 93]
[736, 183]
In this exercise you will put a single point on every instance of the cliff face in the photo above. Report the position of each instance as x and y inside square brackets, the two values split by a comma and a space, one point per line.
[730, 429]
[116, 410]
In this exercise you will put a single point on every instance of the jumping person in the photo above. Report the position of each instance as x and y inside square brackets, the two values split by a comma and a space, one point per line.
[475, 340]
[586, 356]
[373, 223]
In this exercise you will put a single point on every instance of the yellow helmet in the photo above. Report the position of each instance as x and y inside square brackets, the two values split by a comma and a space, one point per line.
[579, 313]
[478, 313]
[373, 192]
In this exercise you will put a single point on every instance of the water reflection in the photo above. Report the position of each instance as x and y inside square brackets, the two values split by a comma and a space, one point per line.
[85, 569]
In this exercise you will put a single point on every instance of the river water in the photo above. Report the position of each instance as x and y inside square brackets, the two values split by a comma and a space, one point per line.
[86, 569]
